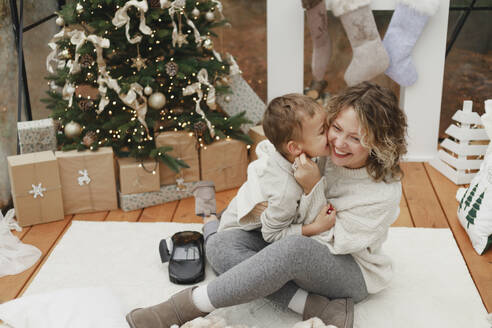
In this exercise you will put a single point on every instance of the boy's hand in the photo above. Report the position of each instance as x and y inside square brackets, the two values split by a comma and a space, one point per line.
[306, 173]
[326, 218]
[323, 222]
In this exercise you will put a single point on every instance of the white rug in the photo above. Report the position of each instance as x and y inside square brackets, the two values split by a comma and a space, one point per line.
[431, 287]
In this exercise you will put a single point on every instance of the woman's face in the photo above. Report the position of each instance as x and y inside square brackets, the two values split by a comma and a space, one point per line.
[344, 139]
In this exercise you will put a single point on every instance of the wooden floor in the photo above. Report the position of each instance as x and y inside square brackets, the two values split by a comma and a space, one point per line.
[429, 201]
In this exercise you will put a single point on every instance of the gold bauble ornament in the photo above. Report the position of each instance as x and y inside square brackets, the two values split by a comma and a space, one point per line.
[148, 90]
[157, 100]
[79, 8]
[208, 44]
[195, 12]
[209, 16]
[72, 129]
[59, 21]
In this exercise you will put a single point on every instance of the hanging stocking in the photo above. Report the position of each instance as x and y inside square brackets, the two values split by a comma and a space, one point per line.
[405, 27]
[318, 28]
[369, 57]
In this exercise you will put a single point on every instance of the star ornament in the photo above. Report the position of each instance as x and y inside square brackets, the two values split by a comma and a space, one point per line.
[181, 39]
[139, 63]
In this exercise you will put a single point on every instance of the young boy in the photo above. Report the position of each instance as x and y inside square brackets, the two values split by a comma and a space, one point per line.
[293, 124]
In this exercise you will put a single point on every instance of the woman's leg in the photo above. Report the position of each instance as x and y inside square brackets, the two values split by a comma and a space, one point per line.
[298, 259]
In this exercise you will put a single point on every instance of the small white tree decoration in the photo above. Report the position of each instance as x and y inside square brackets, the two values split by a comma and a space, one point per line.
[461, 154]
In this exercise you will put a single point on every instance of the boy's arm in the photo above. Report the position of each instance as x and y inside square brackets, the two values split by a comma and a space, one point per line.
[277, 220]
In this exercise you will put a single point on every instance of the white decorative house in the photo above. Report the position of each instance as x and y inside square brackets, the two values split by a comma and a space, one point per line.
[461, 154]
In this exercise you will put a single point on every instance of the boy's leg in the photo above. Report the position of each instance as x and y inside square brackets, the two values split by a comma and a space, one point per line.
[300, 259]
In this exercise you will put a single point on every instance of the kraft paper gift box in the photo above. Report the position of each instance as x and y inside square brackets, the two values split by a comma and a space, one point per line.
[36, 188]
[243, 98]
[225, 162]
[184, 148]
[138, 176]
[166, 194]
[88, 180]
[36, 136]
[257, 134]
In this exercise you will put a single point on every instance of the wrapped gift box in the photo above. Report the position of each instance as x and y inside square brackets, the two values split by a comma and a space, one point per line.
[138, 176]
[36, 188]
[36, 136]
[166, 194]
[88, 180]
[225, 162]
[184, 148]
[243, 98]
[256, 133]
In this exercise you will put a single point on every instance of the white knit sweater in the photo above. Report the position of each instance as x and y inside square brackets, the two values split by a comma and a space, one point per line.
[365, 211]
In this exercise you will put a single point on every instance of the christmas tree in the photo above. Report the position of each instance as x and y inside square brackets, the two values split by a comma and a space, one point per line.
[123, 71]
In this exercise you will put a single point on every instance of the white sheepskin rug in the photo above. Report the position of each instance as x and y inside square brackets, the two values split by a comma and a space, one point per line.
[431, 285]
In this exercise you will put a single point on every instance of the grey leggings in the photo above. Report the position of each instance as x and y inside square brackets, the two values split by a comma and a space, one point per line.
[250, 268]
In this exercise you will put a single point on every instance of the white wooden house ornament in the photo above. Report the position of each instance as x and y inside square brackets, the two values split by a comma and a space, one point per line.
[461, 154]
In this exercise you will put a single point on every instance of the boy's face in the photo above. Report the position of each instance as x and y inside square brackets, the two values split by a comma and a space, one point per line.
[314, 139]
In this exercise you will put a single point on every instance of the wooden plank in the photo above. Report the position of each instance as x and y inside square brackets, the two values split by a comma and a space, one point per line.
[120, 215]
[404, 219]
[43, 236]
[22, 233]
[480, 267]
[159, 213]
[185, 212]
[95, 216]
[223, 198]
[423, 204]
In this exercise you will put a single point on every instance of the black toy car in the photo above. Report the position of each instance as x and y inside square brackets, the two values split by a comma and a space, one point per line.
[186, 259]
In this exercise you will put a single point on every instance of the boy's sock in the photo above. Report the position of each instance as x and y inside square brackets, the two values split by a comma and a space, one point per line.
[298, 301]
[201, 300]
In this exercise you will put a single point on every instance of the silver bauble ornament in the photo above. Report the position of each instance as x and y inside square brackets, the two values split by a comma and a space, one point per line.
[148, 90]
[157, 100]
[79, 8]
[209, 16]
[72, 129]
[59, 21]
[228, 98]
[195, 12]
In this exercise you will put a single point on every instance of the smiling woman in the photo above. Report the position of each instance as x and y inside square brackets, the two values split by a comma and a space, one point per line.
[367, 128]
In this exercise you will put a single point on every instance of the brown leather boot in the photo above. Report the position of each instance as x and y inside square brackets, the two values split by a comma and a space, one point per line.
[178, 310]
[338, 312]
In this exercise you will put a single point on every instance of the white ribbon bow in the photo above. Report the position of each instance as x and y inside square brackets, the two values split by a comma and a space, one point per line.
[121, 18]
[197, 88]
[37, 190]
[203, 79]
[84, 178]
[78, 38]
[54, 50]
[132, 99]
[7, 222]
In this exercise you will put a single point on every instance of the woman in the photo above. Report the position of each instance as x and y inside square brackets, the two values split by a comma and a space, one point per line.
[319, 276]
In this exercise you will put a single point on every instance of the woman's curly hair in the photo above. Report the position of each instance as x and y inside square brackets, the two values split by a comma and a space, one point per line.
[383, 127]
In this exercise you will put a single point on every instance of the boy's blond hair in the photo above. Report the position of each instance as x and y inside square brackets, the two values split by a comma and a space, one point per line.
[282, 121]
[383, 126]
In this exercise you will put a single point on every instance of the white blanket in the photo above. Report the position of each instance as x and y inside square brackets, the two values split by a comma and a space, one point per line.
[431, 286]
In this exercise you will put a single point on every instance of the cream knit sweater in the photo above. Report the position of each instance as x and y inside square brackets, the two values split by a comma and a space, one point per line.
[365, 211]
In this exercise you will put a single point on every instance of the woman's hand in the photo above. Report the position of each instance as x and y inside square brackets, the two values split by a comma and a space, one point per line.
[306, 173]
[324, 221]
